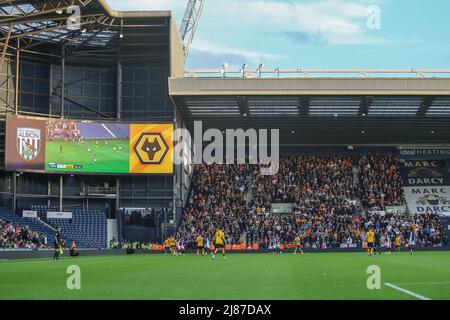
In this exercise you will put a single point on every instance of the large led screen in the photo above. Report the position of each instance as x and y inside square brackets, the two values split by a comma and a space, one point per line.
[88, 147]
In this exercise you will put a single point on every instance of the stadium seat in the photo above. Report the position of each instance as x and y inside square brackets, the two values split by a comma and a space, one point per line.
[87, 228]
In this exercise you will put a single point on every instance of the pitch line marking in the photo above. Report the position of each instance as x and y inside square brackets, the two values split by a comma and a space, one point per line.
[415, 295]
[426, 283]
[47, 259]
[109, 131]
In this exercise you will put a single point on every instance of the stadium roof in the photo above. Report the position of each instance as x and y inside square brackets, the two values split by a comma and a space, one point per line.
[322, 110]
[35, 25]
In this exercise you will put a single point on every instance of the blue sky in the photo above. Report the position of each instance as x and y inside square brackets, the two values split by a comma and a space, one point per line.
[314, 33]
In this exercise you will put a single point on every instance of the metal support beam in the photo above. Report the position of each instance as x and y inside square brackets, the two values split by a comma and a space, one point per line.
[16, 102]
[47, 29]
[63, 79]
[104, 115]
[61, 35]
[36, 16]
[14, 190]
[117, 193]
[243, 106]
[68, 83]
[303, 106]
[119, 114]
[61, 192]
[119, 82]
[49, 192]
[5, 47]
[190, 22]
[364, 107]
[177, 173]
[425, 106]
[50, 91]
[175, 197]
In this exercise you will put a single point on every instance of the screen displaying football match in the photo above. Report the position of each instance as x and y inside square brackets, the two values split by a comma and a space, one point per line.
[71, 146]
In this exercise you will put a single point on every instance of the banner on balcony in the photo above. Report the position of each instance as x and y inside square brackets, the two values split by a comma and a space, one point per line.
[425, 173]
[428, 199]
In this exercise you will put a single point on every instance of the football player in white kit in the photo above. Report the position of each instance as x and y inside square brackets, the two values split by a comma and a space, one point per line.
[412, 240]
[277, 245]
[272, 248]
[181, 247]
[207, 245]
[386, 243]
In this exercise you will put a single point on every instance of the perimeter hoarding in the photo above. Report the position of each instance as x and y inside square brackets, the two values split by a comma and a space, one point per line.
[69, 146]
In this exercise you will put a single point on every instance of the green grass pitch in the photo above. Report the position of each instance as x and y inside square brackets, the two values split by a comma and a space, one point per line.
[241, 277]
[109, 160]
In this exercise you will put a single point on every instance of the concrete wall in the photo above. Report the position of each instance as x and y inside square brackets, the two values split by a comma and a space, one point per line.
[176, 51]
[308, 86]
[112, 230]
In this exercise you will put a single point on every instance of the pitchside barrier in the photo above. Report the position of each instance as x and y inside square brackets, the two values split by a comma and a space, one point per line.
[48, 254]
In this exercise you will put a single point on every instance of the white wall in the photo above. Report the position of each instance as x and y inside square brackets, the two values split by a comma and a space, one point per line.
[112, 231]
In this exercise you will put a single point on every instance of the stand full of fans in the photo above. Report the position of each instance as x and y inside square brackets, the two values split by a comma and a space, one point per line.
[16, 237]
[332, 196]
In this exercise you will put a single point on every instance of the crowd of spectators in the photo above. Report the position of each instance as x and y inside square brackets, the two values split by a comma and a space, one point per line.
[314, 183]
[139, 217]
[218, 198]
[429, 229]
[15, 237]
[381, 182]
[332, 230]
[315, 229]
[327, 212]
[62, 131]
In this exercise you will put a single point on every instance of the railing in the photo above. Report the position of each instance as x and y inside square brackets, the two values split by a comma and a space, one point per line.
[277, 72]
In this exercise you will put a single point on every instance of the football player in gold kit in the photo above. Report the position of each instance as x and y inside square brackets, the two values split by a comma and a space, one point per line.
[219, 243]
[200, 245]
[166, 246]
[370, 235]
[298, 245]
[173, 248]
[398, 242]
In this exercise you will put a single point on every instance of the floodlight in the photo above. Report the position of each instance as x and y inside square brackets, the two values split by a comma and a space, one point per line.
[222, 69]
[261, 65]
[243, 69]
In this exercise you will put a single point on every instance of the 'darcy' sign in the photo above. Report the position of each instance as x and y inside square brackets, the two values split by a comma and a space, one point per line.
[425, 173]
[428, 199]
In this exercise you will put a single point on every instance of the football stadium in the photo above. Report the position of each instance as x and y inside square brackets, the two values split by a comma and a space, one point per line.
[126, 175]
